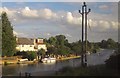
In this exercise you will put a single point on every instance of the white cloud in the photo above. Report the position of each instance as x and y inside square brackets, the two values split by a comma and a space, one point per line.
[47, 13]
[68, 35]
[104, 24]
[48, 34]
[72, 19]
[29, 13]
[11, 13]
[114, 25]
[104, 7]
[92, 23]
[69, 17]
[102, 21]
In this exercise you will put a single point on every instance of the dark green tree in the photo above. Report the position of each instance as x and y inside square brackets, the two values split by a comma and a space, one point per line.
[41, 52]
[31, 55]
[61, 39]
[8, 39]
[52, 50]
[111, 43]
[63, 50]
[103, 44]
[52, 41]
[0, 37]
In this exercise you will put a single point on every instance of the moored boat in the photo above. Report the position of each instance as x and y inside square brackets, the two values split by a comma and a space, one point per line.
[48, 60]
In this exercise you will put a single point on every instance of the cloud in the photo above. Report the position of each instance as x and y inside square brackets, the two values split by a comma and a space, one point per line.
[21, 34]
[114, 25]
[104, 7]
[95, 20]
[11, 13]
[69, 17]
[29, 13]
[47, 13]
[68, 35]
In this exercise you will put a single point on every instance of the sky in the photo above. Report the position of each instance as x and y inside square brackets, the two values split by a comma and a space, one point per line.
[46, 19]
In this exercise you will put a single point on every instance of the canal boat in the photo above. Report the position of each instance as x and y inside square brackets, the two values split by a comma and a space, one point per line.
[88, 53]
[48, 60]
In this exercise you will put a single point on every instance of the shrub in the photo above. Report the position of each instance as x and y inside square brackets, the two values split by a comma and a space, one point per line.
[31, 55]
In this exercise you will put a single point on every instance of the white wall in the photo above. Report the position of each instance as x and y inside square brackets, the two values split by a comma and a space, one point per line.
[28, 48]
[25, 47]
[40, 46]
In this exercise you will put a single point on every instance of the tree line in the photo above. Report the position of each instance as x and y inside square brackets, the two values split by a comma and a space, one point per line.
[60, 45]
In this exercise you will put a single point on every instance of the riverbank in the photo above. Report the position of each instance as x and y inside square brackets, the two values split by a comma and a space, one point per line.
[67, 58]
[16, 61]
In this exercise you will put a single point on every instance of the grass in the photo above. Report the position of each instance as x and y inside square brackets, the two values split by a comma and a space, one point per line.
[98, 70]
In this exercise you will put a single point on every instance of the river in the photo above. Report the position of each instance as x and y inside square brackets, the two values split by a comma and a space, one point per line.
[43, 69]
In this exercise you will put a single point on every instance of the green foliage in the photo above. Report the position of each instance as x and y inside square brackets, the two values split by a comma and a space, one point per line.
[8, 39]
[52, 41]
[61, 40]
[57, 45]
[0, 37]
[64, 50]
[52, 50]
[110, 44]
[41, 52]
[60, 45]
[94, 47]
[31, 55]
[23, 54]
[76, 48]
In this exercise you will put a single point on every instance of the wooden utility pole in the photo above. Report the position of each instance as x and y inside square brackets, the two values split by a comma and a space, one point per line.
[84, 28]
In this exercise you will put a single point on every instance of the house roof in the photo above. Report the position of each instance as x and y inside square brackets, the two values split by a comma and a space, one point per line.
[25, 41]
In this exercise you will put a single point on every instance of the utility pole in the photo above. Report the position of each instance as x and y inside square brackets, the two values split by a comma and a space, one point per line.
[84, 13]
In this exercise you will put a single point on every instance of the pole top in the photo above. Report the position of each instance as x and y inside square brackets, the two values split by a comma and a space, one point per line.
[84, 3]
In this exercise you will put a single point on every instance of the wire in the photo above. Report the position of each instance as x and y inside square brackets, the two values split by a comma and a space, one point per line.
[90, 29]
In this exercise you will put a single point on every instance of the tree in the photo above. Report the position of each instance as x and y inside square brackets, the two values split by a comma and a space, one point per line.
[31, 55]
[0, 37]
[61, 39]
[63, 50]
[76, 47]
[52, 50]
[8, 39]
[52, 41]
[103, 44]
[41, 52]
[111, 43]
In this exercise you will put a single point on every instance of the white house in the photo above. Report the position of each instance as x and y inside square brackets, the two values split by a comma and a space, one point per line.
[29, 44]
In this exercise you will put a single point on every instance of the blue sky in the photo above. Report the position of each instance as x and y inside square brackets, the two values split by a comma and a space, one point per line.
[45, 19]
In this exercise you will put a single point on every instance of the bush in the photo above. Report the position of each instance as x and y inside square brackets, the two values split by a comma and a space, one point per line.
[31, 55]
[5, 63]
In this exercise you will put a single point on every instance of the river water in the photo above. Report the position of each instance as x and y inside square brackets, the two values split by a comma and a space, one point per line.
[93, 59]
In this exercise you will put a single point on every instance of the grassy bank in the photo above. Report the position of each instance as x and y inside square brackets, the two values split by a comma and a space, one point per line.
[67, 58]
[98, 70]
[15, 61]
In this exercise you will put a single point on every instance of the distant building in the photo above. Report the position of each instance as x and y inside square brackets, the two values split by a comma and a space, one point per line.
[29, 44]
